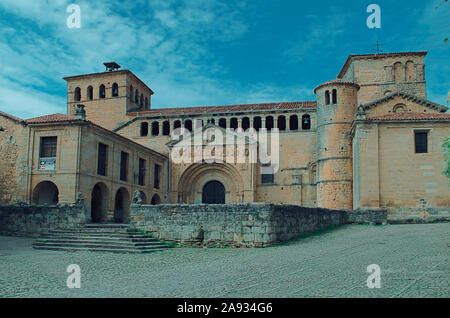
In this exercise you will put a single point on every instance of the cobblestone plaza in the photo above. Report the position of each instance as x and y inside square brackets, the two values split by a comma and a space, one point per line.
[414, 262]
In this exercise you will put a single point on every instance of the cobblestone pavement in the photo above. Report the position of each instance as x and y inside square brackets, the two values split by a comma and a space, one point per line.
[414, 261]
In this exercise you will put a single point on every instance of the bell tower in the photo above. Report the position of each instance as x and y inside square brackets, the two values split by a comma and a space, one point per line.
[108, 96]
[337, 106]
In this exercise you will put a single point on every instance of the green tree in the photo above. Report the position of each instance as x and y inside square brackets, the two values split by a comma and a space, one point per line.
[446, 148]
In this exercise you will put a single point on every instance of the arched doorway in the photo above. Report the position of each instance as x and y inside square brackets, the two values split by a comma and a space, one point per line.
[46, 192]
[99, 202]
[213, 193]
[196, 176]
[156, 200]
[121, 206]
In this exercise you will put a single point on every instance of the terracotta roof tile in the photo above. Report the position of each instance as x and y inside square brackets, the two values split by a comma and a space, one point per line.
[338, 81]
[53, 118]
[226, 108]
[411, 116]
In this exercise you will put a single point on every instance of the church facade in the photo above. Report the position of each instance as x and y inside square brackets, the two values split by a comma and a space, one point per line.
[370, 140]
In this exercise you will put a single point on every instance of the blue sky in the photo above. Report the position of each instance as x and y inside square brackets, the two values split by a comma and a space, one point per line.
[208, 52]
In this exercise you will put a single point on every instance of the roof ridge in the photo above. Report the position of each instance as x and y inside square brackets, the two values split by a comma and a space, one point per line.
[415, 98]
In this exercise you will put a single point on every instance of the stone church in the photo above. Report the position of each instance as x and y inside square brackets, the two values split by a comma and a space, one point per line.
[370, 140]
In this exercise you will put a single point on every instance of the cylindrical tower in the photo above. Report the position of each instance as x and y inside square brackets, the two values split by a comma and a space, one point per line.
[337, 106]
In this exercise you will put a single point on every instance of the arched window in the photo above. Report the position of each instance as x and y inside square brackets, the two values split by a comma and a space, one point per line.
[306, 122]
[136, 97]
[234, 123]
[115, 90]
[90, 93]
[223, 123]
[131, 92]
[327, 97]
[245, 123]
[334, 96]
[293, 122]
[188, 125]
[281, 123]
[269, 122]
[177, 124]
[146, 103]
[144, 129]
[101, 91]
[77, 94]
[155, 128]
[166, 128]
[410, 72]
[141, 101]
[398, 78]
[257, 123]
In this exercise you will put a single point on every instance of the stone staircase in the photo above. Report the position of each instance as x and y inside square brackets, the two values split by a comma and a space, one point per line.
[115, 238]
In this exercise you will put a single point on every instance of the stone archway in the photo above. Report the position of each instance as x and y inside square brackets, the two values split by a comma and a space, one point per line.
[121, 206]
[213, 193]
[196, 176]
[155, 200]
[46, 192]
[99, 203]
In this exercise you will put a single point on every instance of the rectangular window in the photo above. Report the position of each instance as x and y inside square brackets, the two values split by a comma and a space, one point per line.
[141, 172]
[48, 147]
[266, 175]
[123, 166]
[157, 175]
[267, 178]
[421, 141]
[102, 159]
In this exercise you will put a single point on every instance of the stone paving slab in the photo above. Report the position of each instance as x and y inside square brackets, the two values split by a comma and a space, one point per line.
[414, 261]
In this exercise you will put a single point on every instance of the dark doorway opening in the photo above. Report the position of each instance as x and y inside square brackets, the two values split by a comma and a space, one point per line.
[213, 193]
[121, 204]
[99, 199]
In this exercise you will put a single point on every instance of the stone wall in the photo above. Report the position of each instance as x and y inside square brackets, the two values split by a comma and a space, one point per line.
[30, 220]
[252, 224]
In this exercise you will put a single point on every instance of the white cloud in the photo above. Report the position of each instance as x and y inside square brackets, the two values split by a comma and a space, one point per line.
[168, 44]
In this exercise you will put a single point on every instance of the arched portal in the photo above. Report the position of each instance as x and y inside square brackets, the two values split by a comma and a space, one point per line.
[213, 193]
[46, 192]
[99, 202]
[121, 206]
[197, 176]
[156, 200]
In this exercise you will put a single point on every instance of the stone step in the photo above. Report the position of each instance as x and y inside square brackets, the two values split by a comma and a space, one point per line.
[106, 225]
[97, 238]
[90, 249]
[99, 245]
[93, 233]
[104, 237]
[102, 242]
[102, 231]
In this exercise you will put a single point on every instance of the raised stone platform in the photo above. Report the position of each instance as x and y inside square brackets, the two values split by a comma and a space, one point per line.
[252, 224]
